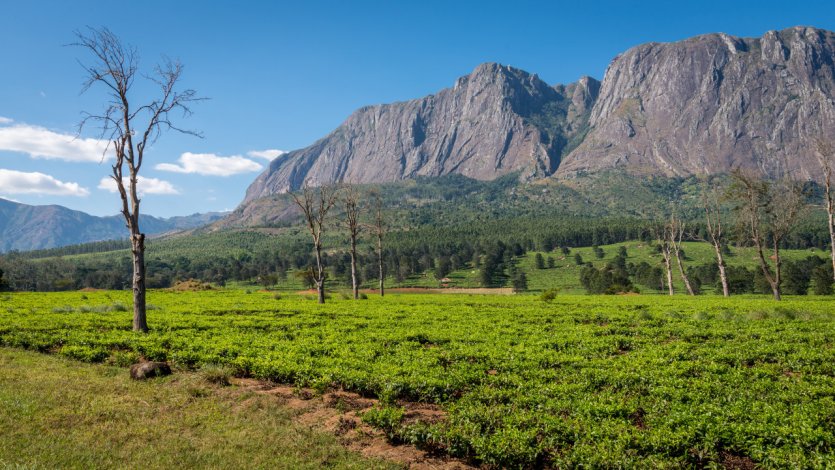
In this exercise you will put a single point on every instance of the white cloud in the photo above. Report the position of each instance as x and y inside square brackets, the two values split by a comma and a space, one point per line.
[5, 120]
[210, 164]
[40, 142]
[269, 154]
[145, 185]
[18, 182]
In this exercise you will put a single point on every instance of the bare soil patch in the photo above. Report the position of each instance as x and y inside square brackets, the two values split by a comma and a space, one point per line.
[732, 461]
[339, 412]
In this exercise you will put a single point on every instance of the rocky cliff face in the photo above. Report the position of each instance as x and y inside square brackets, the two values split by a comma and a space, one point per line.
[495, 121]
[713, 103]
[704, 105]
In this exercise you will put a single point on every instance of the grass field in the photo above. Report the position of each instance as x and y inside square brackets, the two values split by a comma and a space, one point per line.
[617, 381]
[59, 413]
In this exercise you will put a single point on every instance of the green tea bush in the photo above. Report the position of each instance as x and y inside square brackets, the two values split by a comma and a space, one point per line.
[646, 381]
[387, 418]
[548, 295]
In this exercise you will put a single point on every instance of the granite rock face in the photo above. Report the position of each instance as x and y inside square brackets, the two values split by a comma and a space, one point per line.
[704, 105]
[495, 121]
[712, 103]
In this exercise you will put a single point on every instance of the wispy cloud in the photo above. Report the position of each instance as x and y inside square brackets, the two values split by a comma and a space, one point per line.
[39, 142]
[210, 164]
[145, 186]
[19, 182]
[269, 154]
[5, 120]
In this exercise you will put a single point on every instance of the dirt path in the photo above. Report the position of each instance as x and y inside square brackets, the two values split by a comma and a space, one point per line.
[339, 413]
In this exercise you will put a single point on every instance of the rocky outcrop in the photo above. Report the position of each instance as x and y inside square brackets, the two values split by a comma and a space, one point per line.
[495, 121]
[713, 103]
[147, 370]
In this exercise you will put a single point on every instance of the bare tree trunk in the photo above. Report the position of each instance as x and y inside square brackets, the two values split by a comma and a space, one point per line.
[380, 262]
[778, 262]
[772, 281]
[830, 212]
[723, 276]
[352, 216]
[665, 251]
[140, 322]
[832, 238]
[354, 282]
[713, 222]
[825, 154]
[684, 275]
[320, 274]
[676, 234]
[380, 231]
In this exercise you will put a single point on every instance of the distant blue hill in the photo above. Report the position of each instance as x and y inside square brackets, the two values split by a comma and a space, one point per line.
[24, 227]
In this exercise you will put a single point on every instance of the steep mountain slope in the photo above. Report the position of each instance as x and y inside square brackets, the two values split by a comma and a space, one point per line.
[704, 105]
[495, 121]
[25, 227]
[712, 103]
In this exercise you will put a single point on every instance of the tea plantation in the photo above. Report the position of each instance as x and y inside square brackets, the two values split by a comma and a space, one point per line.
[612, 382]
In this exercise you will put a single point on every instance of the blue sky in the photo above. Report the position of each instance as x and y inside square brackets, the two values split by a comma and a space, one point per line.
[282, 74]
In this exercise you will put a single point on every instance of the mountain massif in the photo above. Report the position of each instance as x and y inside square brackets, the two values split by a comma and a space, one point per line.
[495, 121]
[24, 227]
[704, 105]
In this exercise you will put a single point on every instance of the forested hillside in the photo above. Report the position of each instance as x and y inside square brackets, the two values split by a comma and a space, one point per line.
[477, 234]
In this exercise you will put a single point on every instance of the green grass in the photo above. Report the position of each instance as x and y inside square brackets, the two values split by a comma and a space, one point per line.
[615, 381]
[566, 275]
[57, 413]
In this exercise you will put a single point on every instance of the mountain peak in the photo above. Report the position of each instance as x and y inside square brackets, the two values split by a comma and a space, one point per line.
[494, 121]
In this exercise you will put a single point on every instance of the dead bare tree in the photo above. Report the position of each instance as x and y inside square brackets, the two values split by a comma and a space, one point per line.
[352, 223]
[130, 128]
[675, 230]
[315, 203]
[663, 235]
[379, 228]
[768, 210]
[825, 153]
[713, 224]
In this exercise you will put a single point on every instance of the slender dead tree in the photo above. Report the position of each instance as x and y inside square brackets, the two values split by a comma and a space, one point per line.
[315, 203]
[675, 231]
[352, 223]
[825, 153]
[130, 127]
[713, 224]
[379, 229]
[768, 210]
[663, 235]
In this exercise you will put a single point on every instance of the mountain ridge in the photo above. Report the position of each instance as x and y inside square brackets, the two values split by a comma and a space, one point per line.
[28, 227]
